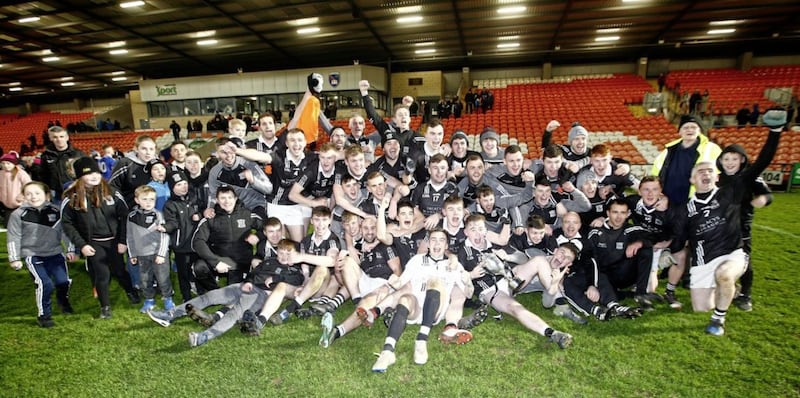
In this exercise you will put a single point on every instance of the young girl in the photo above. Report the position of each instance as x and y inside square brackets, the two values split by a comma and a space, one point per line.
[94, 220]
[34, 240]
[12, 178]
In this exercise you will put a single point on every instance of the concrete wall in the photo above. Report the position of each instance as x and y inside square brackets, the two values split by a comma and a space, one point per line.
[779, 60]
[702, 64]
[481, 74]
[572, 70]
[432, 84]
[257, 83]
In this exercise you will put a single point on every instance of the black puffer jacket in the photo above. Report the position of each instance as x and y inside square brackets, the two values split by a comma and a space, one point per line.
[178, 223]
[225, 234]
[54, 166]
[108, 220]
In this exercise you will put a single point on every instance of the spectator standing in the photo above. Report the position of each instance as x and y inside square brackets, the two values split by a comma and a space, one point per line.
[176, 130]
[94, 220]
[54, 161]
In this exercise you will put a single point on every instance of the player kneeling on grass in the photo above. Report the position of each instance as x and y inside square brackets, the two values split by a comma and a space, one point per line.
[494, 289]
[34, 240]
[711, 222]
[238, 296]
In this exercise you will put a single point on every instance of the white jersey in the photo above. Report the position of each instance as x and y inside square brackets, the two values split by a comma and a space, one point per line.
[423, 268]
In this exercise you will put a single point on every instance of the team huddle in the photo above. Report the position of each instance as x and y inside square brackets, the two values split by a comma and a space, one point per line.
[427, 233]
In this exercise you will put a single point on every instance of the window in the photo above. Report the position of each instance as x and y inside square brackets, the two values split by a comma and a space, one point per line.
[267, 103]
[191, 107]
[226, 106]
[350, 99]
[209, 106]
[158, 109]
[175, 108]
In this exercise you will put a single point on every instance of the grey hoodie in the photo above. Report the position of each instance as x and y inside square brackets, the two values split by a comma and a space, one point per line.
[35, 232]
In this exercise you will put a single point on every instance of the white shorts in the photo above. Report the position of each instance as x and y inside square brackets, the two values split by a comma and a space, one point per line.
[368, 284]
[289, 214]
[500, 286]
[450, 281]
[704, 276]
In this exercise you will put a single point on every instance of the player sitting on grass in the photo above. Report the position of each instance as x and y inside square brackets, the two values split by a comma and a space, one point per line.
[494, 290]
[270, 274]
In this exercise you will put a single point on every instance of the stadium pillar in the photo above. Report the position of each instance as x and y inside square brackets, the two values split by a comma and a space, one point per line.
[465, 77]
[547, 71]
[641, 67]
[745, 61]
[28, 109]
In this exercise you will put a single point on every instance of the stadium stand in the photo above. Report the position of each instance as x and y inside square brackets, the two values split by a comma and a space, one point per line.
[599, 102]
[729, 89]
[123, 141]
[752, 138]
[16, 129]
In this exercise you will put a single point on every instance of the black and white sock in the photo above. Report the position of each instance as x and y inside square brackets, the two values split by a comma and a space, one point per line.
[396, 328]
[428, 313]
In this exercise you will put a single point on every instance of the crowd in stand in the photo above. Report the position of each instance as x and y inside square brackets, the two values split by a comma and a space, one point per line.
[414, 236]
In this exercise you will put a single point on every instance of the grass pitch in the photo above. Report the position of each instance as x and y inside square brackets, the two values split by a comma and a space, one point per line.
[662, 354]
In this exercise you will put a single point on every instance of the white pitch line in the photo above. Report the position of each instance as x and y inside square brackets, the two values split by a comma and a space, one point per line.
[776, 230]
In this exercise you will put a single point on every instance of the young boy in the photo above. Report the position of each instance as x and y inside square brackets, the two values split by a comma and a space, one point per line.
[181, 215]
[129, 174]
[107, 162]
[732, 162]
[322, 243]
[158, 176]
[148, 247]
[286, 283]
[129, 171]
[453, 223]
[535, 241]
[353, 194]
[237, 129]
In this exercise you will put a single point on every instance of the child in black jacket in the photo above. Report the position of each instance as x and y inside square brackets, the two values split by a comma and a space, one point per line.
[93, 216]
[181, 216]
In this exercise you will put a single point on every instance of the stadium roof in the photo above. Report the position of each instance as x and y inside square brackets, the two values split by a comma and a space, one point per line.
[58, 46]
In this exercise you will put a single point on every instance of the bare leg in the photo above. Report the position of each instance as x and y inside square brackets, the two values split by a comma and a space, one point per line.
[702, 299]
[315, 282]
[274, 300]
[455, 309]
[351, 273]
[726, 275]
[507, 305]
[677, 270]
